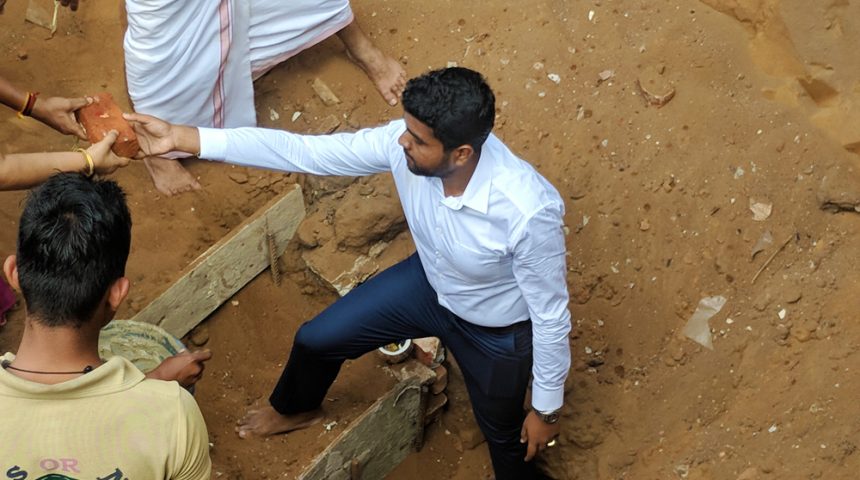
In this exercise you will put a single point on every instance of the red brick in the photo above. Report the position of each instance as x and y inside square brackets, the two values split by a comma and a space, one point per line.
[434, 407]
[441, 382]
[104, 115]
[429, 351]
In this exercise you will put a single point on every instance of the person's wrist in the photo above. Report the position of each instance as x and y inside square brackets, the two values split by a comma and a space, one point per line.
[548, 416]
[90, 165]
[36, 110]
[185, 139]
[155, 374]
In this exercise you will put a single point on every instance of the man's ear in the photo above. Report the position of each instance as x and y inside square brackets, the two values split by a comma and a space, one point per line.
[462, 154]
[10, 269]
[117, 293]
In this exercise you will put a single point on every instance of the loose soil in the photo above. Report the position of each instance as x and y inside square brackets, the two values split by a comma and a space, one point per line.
[765, 111]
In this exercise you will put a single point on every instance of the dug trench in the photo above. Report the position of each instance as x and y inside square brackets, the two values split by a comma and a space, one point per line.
[658, 217]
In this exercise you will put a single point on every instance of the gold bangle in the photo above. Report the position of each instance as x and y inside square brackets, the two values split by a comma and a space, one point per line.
[29, 103]
[91, 166]
[24, 107]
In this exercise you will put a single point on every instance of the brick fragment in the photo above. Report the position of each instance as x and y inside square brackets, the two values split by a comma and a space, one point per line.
[429, 351]
[434, 407]
[441, 382]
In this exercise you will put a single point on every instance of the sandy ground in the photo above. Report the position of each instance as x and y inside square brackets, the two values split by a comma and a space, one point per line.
[658, 212]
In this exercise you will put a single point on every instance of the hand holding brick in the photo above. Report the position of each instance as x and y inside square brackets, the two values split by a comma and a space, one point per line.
[104, 115]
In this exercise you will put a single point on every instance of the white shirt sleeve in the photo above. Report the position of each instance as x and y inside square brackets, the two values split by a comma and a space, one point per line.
[540, 270]
[365, 152]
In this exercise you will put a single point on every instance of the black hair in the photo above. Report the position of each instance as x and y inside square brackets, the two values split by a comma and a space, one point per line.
[456, 103]
[73, 242]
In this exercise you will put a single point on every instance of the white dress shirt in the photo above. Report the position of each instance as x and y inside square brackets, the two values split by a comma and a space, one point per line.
[495, 255]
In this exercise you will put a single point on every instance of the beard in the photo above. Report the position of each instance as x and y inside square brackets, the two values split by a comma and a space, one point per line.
[441, 170]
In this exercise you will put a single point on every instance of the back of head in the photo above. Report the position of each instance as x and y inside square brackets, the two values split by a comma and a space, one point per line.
[73, 243]
[456, 103]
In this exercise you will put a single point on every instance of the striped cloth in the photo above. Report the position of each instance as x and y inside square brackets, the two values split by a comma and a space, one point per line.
[193, 62]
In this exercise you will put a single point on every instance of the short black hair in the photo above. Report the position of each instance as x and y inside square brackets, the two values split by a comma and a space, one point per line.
[73, 243]
[456, 103]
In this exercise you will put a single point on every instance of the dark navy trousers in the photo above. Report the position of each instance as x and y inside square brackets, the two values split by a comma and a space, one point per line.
[399, 303]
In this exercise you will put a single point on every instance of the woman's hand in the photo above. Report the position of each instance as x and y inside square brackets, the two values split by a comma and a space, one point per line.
[104, 160]
[59, 114]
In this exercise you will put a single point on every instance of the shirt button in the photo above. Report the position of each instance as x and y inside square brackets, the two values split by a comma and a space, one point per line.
[439, 229]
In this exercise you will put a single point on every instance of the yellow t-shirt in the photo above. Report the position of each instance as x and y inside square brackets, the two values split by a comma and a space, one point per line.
[108, 424]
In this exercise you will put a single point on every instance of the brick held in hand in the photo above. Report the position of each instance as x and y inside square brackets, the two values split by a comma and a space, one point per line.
[104, 115]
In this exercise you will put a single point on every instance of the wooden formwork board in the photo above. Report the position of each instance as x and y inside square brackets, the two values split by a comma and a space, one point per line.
[227, 266]
[378, 440]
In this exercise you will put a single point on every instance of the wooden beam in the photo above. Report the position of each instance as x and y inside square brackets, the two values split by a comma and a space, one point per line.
[226, 267]
[378, 440]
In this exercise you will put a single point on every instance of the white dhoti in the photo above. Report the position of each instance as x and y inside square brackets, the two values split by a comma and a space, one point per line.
[192, 62]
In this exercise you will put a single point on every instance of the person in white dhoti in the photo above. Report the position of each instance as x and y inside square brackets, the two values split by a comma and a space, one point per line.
[193, 63]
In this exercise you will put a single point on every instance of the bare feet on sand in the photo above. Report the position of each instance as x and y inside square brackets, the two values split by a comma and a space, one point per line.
[169, 176]
[385, 72]
[267, 421]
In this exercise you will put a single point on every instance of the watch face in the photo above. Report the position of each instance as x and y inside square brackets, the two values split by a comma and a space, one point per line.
[549, 417]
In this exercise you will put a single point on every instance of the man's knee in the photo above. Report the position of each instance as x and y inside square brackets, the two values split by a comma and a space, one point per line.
[310, 339]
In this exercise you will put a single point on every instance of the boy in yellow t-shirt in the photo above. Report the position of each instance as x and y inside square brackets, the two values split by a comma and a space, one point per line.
[66, 413]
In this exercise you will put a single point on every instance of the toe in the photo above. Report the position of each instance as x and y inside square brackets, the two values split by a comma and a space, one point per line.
[246, 419]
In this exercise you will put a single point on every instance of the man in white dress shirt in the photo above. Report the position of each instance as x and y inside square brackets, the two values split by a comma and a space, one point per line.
[488, 277]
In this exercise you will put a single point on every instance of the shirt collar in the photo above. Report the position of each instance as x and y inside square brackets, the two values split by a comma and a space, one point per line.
[477, 193]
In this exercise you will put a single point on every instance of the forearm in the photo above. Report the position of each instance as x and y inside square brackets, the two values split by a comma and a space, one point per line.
[26, 170]
[186, 139]
[347, 154]
[11, 96]
[551, 351]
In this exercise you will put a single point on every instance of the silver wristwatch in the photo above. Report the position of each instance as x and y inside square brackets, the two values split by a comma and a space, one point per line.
[548, 417]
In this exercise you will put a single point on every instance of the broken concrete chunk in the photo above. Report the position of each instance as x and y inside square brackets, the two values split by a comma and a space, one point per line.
[605, 75]
[324, 92]
[839, 189]
[697, 328]
[43, 13]
[760, 210]
[328, 124]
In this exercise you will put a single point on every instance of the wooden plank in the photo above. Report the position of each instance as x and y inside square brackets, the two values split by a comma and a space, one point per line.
[378, 440]
[226, 267]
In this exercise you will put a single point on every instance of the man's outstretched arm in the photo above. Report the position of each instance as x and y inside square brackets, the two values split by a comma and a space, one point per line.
[365, 152]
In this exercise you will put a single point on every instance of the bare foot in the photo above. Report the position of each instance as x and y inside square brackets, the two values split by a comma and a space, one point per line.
[385, 72]
[267, 421]
[388, 75]
[169, 176]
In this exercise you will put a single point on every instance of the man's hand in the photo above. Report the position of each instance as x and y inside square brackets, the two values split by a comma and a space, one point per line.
[59, 114]
[537, 434]
[185, 367]
[154, 135]
[104, 159]
[72, 4]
